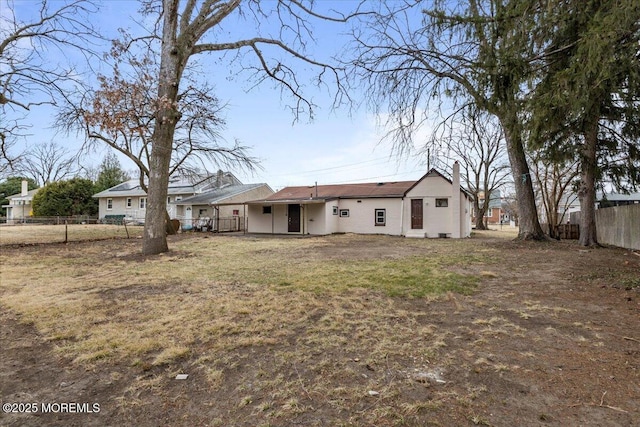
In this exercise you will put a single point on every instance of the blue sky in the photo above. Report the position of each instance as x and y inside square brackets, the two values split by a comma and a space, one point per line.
[339, 146]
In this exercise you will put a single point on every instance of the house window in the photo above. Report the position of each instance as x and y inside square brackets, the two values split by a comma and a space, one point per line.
[442, 203]
[266, 210]
[381, 217]
[128, 202]
[168, 199]
[109, 204]
[490, 213]
[178, 198]
[202, 212]
[143, 202]
[236, 212]
[344, 213]
[335, 210]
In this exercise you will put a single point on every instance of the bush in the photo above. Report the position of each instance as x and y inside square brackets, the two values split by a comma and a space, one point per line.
[66, 198]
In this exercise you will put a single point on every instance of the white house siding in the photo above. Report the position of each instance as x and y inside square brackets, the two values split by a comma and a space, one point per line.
[276, 222]
[119, 207]
[259, 222]
[466, 208]
[318, 218]
[315, 219]
[361, 217]
[20, 205]
[18, 210]
[436, 220]
[331, 220]
[280, 218]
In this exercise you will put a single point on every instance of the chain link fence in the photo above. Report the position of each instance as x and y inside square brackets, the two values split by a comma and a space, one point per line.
[38, 230]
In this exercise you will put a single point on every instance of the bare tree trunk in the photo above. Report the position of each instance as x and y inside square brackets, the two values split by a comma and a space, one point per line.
[480, 214]
[166, 118]
[155, 237]
[529, 225]
[587, 191]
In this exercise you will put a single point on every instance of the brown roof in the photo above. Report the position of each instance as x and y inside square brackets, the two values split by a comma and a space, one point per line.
[374, 189]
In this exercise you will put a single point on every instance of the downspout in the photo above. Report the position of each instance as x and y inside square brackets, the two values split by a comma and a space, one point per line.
[272, 219]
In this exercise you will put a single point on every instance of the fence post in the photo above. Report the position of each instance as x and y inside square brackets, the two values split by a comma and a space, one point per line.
[66, 232]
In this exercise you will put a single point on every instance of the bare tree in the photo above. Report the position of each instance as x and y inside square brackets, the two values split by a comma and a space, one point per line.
[191, 27]
[8, 135]
[27, 77]
[47, 163]
[553, 181]
[476, 141]
[412, 55]
[120, 114]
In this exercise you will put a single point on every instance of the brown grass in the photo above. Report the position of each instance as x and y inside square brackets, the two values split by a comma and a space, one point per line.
[274, 324]
[36, 233]
[213, 297]
[227, 292]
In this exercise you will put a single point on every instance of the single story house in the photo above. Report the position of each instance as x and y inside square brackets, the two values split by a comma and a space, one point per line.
[219, 209]
[130, 200]
[20, 205]
[432, 206]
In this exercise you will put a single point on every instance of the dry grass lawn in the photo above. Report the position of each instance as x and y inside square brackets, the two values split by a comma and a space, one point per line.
[36, 233]
[336, 330]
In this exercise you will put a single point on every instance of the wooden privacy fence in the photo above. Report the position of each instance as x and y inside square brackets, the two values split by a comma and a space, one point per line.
[619, 226]
[567, 231]
[563, 231]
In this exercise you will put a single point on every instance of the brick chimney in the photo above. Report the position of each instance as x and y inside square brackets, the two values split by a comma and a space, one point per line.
[219, 178]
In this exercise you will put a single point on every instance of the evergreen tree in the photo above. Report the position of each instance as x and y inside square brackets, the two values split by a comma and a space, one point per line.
[110, 173]
[66, 198]
[587, 102]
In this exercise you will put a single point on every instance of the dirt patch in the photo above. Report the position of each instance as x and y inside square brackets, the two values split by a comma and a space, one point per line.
[549, 337]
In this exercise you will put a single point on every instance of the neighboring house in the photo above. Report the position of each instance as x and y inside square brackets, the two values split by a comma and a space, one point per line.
[568, 204]
[495, 213]
[220, 209]
[433, 206]
[20, 205]
[614, 199]
[130, 200]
